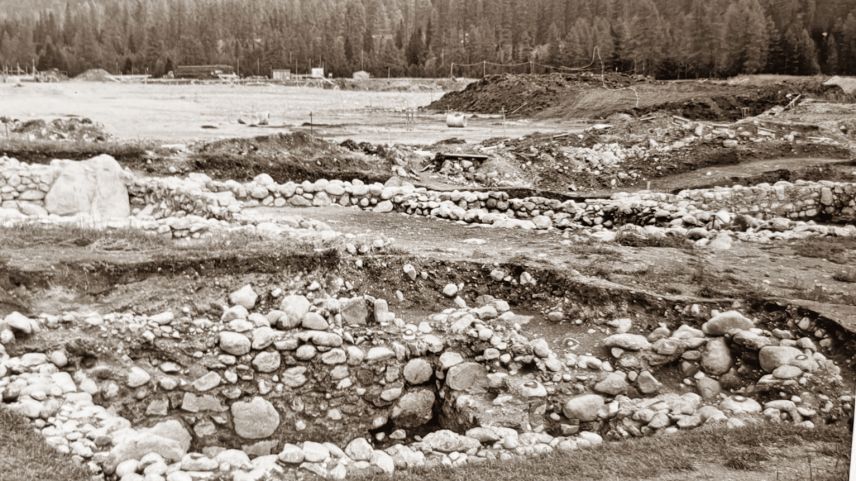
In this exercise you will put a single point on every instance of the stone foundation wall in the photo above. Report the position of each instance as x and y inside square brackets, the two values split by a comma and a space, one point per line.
[171, 197]
[23, 187]
[775, 207]
[800, 200]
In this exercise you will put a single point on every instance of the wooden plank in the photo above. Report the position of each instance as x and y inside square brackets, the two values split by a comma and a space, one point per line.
[444, 156]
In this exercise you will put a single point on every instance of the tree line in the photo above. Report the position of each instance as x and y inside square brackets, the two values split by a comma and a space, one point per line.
[436, 38]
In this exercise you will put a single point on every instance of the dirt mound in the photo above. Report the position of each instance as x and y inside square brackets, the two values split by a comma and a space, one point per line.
[296, 156]
[402, 84]
[734, 104]
[524, 95]
[96, 75]
[847, 84]
[587, 95]
[76, 129]
[627, 153]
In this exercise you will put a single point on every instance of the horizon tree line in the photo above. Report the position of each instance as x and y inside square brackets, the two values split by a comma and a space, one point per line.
[436, 38]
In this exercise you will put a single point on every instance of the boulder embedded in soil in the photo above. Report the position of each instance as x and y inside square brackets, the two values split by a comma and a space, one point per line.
[468, 376]
[614, 383]
[723, 323]
[716, 357]
[584, 408]
[628, 342]
[244, 296]
[414, 409]
[446, 441]
[255, 419]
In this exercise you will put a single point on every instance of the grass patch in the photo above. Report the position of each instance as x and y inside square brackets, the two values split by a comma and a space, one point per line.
[745, 460]
[818, 293]
[836, 250]
[135, 240]
[846, 275]
[43, 151]
[646, 457]
[24, 455]
[29, 235]
[630, 239]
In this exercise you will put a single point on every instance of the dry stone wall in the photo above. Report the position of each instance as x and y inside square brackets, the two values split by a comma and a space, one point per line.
[800, 200]
[341, 385]
[763, 211]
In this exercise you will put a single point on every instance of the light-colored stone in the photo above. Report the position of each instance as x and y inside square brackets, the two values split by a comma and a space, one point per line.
[359, 450]
[418, 371]
[446, 441]
[414, 408]
[585, 407]
[716, 357]
[234, 343]
[244, 296]
[613, 384]
[138, 377]
[93, 188]
[723, 323]
[628, 342]
[256, 419]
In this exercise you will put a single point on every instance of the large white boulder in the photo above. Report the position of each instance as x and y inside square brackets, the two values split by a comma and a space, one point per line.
[93, 188]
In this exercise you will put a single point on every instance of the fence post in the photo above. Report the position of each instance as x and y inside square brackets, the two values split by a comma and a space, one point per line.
[484, 68]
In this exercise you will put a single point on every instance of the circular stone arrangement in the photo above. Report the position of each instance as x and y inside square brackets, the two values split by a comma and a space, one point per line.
[337, 385]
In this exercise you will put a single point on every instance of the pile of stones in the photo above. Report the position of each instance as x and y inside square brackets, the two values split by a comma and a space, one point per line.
[335, 384]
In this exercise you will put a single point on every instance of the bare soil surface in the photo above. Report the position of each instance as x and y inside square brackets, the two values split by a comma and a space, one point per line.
[590, 95]
[756, 172]
[655, 282]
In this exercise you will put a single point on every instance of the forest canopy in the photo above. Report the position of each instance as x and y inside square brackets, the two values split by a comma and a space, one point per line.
[436, 38]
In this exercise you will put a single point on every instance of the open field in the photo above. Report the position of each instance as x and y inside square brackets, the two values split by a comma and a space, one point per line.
[648, 294]
[179, 113]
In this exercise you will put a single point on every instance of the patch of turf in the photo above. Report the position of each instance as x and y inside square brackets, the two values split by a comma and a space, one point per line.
[642, 458]
[24, 455]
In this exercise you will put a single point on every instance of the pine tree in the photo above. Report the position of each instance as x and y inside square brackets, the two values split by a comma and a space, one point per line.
[756, 47]
[415, 48]
[847, 55]
[776, 55]
[806, 54]
[669, 38]
[554, 45]
[830, 65]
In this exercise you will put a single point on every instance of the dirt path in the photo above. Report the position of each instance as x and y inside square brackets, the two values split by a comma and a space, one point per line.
[733, 174]
[773, 270]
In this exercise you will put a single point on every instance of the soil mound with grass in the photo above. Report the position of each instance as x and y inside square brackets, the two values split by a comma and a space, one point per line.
[524, 95]
[96, 75]
[295, 156]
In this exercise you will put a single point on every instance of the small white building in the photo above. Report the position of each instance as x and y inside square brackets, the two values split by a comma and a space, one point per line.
[281, 74]
[317, 73]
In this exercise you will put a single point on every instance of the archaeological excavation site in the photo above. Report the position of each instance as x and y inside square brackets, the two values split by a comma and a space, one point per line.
[619, 281]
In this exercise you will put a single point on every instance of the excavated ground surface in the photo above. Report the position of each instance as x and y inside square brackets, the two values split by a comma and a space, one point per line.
[414, 337]
[590, 95]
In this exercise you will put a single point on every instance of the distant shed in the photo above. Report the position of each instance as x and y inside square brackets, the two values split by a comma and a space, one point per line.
[203, 72]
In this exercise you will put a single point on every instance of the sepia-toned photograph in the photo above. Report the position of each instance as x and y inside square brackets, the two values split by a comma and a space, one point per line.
[427, 240]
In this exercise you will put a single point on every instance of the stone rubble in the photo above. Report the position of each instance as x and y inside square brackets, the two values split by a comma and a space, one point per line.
[195, 205]
[291, 383]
